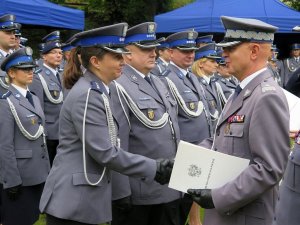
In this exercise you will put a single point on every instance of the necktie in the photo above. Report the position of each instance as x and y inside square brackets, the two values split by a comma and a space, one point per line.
[29, 98]
[148, 79]
[238, 89]
[58, 78]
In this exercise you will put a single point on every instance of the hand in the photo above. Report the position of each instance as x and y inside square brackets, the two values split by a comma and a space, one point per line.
[13, 192]
[123, 204]
[202, 197]
[163, 171]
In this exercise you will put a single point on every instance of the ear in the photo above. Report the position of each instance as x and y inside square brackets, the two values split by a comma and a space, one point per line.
[94, 61]
[255, 49]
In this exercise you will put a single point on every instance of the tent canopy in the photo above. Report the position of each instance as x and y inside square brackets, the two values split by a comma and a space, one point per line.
[204, 15]
[43, 13]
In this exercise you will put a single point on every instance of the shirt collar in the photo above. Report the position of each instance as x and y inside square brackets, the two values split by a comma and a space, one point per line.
[21, 90]
[206, 78]
[4, 53]
[248, 79]
[54, 71]
[138, 72]
[183, 71]
[164, 61]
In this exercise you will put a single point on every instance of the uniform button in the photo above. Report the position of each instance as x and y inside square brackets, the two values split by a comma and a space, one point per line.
[216, 149]
[218, 132]
[143, 178]
[43, 157]
[5, 181]
[230, 133]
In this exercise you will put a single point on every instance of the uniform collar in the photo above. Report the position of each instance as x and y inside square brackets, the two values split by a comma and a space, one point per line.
[164, 61]
[248, 79]
[54, 71]
[138, 72]
[183, 71]
[4, 53]
[21, 90]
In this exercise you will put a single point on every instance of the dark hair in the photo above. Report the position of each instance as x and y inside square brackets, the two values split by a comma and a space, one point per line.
[72, 71]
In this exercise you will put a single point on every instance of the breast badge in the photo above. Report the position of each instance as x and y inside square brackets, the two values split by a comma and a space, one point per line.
[150, 114]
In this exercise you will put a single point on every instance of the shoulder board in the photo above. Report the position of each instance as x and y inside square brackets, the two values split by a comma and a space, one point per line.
[37, 70]
[165, 73]
[214, 79]
[265, 87]
[5, 95]
[96, 87]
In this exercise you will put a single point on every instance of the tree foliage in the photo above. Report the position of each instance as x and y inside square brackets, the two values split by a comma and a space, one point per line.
[295, 4]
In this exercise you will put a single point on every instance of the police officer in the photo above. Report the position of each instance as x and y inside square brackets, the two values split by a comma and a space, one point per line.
[47, 86]
[205, 66]
[78, 188]
[18, 35]
[162, 60]
[23, 153]
[254, 125]
[291, 64]
[152, 126]
[293, 85]
[289, 192]
[193, 111]
[7, 42]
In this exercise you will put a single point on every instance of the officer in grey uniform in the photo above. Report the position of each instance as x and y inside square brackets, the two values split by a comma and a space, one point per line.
[289, 191]
[163, 59]
[23, 153]
[293, 85]
[7, 42]
[78, 188]
[253, 125]
[193, 111]
[290, 65]
[152, 127]
[47, 86]
[204, 66]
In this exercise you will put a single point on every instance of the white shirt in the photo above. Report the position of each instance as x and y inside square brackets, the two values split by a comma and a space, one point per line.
[247, 80]
[4, 53]
[139, 73]
[22, 91]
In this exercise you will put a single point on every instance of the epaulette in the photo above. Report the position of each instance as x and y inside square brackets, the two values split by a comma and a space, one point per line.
[5, 95]
[214, 79]
[96, 87]
[60, 69]
[165, 73]
[37, 70]
[265, 87]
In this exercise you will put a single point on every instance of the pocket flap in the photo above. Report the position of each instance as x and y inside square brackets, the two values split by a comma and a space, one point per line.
[23, 154]
[147, 104]
[189, 97]
[236, 130]
[79, 179]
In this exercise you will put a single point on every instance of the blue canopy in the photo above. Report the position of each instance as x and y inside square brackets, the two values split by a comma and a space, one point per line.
[204, 15]
[43, 13]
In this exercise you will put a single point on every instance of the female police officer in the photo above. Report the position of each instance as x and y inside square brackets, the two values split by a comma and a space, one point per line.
[78, 188]
[23, 154]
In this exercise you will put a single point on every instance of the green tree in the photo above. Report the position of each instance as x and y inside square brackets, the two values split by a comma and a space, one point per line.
[295, 4]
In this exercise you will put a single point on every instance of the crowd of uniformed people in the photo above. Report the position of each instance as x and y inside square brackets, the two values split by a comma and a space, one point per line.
[89, 131]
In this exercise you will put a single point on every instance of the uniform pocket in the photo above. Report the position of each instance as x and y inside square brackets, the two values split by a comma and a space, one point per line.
[79, 179]
[23, 154]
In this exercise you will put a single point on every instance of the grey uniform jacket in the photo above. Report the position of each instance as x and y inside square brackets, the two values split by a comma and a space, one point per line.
[51, 110]
[67, 193]
[287, 67]
[192, 129]
[153, 143]
[228, 85]
[3, 83]
[160, 67]
[22, 161]
[254, 126]
[287, 207]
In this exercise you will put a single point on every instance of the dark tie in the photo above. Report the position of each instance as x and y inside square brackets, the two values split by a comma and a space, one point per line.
[237, 91]
[58, 78]
[148, 79]
[29, 98]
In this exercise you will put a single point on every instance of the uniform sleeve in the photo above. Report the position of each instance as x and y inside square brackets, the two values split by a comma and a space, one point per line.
[269, 146]
[98, 144]
[8, 164]
[37, 89]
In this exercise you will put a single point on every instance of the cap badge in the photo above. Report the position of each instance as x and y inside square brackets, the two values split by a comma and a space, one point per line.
[190, 35]
[151, 28]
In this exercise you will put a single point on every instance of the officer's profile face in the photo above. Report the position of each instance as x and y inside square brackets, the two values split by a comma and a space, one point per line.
[7, 39]
[142, 59]
[165, 54]
[183, 59]
[21, 77]
[296, 53]
[208, 66]
[53, 58]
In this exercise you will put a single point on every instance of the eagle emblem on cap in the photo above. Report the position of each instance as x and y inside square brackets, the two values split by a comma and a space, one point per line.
[151, 28]
[190, 35]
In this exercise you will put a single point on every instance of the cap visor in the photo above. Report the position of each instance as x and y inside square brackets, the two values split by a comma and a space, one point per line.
[187, 48]
[25, 66]
[119, 50]
[227, 44]
[213, 57]
[147, 45]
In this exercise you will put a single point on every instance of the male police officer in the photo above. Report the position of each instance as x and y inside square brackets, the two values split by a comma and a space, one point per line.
[152, 127]
[7, 42]
[253, 125]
